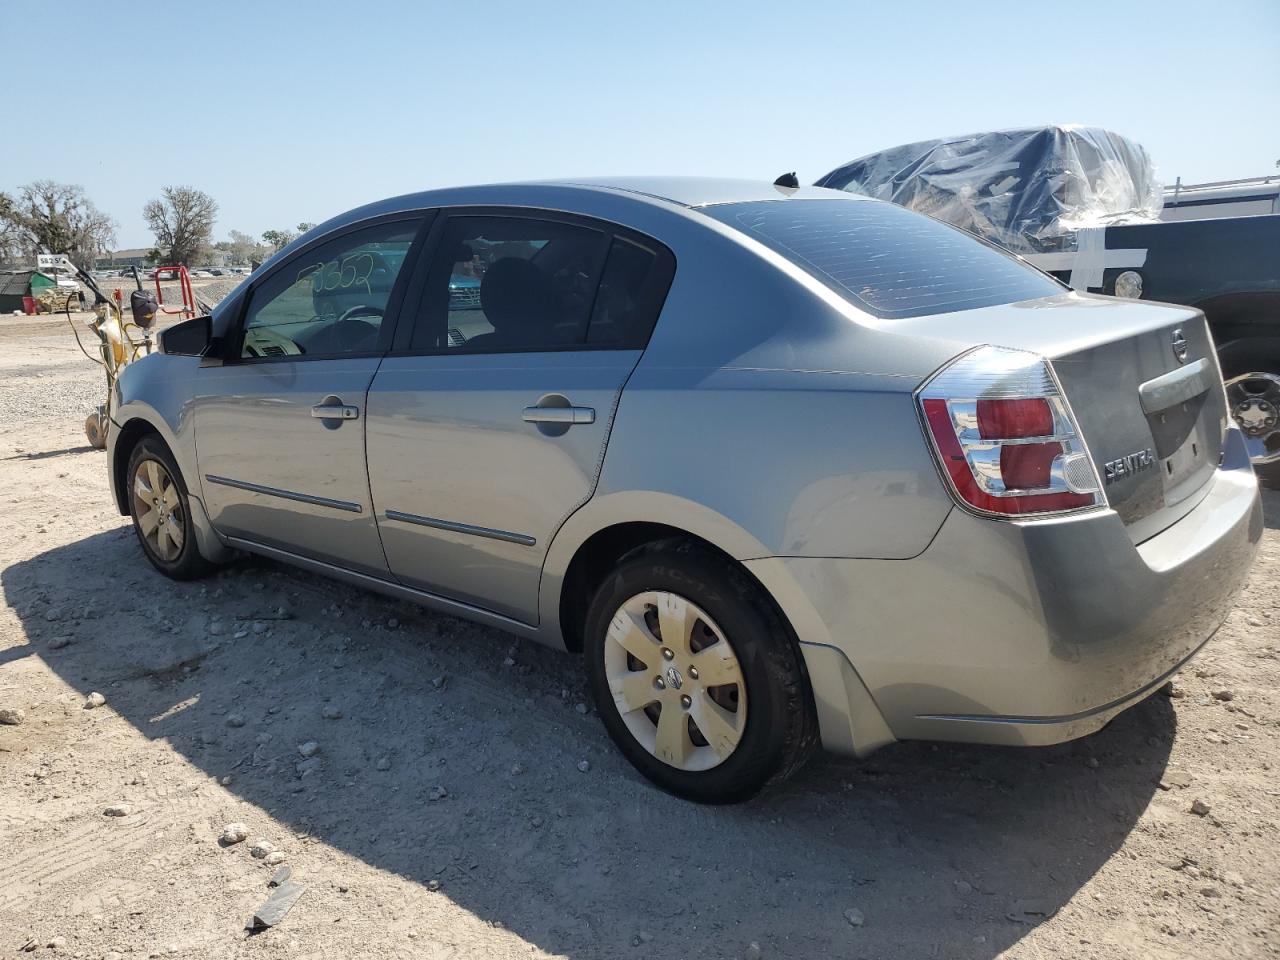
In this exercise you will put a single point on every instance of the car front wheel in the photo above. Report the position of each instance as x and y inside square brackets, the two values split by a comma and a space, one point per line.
[161, 512]
[696, 676]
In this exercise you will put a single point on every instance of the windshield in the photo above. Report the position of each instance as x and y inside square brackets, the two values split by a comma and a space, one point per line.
[886, 260]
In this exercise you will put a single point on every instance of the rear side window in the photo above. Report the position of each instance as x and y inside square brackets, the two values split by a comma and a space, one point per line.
[504, 284]
[632, 289]
[889, 261]
[524, 282]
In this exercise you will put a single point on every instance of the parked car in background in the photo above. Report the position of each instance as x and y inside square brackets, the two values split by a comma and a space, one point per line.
[1084, 205]
[784, 465]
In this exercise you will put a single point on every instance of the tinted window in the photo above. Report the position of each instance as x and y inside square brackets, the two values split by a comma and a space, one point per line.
[632, 288]
[500, 284]
[889, 261]
[328, 301]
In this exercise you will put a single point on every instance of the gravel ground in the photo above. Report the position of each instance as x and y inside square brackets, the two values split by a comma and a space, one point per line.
[441, 790]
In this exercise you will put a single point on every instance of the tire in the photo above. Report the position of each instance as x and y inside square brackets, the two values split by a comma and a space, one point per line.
[1258, 371]
[176, 560]
[95, 430]
[767, 705]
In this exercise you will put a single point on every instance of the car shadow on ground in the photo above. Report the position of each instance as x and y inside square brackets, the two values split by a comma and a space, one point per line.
[457, 759]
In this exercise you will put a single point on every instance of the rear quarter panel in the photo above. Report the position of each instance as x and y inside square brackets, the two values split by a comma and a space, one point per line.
[763, 399]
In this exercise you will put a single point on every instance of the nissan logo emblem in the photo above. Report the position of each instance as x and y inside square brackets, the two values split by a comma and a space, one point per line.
[1180, 345]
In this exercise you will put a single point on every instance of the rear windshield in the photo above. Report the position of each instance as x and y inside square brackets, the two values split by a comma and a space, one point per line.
[889, 261]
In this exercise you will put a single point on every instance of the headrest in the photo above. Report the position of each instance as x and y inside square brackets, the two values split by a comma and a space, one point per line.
[514, 291]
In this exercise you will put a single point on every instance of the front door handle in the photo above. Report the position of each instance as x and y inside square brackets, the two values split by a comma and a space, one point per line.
[565, 415]
[335, 411]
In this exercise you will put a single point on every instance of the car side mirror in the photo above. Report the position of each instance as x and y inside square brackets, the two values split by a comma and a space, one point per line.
[191, 338]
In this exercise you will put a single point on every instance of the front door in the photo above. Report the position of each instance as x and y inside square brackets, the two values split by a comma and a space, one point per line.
[487, 430]
[280, 425]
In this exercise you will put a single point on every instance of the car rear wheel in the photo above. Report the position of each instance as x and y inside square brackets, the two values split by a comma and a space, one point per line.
[161, 512]
[696, 676]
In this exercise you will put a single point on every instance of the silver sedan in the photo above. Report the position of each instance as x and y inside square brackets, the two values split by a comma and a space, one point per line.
[784, 465]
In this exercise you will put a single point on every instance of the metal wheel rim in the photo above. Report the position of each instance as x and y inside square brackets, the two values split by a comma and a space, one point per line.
[158, 509]
[668, 664]
[1254, 401]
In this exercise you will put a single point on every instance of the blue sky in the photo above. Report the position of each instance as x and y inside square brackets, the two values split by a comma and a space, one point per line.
[289, 112]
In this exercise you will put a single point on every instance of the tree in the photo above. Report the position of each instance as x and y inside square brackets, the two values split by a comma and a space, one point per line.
[304, 226]
[182, 222]
[10, 240]
[52, 217]
[278, 239]
[242, 248]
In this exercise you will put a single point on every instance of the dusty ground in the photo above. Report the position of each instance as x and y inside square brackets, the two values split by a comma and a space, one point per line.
[1085, 850]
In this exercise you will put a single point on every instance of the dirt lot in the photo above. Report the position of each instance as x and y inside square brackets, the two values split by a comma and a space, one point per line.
[447, 812]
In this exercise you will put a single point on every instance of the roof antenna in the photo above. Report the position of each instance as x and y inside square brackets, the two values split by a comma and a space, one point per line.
[788, 180]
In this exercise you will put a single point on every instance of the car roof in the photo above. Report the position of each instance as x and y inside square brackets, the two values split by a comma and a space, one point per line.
[688, 192]
[700, 191]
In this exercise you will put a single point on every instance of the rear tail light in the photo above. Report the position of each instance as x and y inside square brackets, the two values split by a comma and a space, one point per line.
[1005, 435]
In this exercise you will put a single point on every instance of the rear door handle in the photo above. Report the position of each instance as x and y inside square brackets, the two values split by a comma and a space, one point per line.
[568, 415]
[335, 411]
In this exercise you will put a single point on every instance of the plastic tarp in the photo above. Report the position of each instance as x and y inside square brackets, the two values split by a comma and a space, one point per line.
[1027, 190]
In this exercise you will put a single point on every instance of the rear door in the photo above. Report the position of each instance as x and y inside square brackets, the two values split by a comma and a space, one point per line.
[280, 424]
[488, 423]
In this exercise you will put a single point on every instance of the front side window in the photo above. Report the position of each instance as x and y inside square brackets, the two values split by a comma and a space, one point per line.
[329, 301]
[500, 284]
[887, 260]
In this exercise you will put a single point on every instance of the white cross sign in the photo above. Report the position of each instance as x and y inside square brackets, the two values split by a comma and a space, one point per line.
[1089, 260]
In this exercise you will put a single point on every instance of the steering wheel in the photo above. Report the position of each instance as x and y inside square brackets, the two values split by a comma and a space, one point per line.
[361, 310]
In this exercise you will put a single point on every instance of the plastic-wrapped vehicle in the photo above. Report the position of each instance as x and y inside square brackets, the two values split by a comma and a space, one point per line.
[1084, 204]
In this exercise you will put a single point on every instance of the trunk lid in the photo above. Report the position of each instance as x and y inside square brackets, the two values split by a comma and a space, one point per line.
[1142, 380]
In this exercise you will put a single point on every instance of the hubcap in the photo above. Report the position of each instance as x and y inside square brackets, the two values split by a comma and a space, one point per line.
[1255, 405]
[675, 680]
[159, 510]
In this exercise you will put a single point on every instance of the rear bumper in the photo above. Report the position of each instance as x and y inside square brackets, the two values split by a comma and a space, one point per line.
[1020, 633]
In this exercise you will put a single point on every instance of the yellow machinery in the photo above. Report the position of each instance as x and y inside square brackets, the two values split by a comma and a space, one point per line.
[120, 342]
